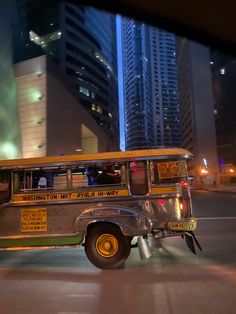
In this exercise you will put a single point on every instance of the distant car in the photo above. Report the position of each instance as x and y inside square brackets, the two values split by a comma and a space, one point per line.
[192, 183]
[196, 185]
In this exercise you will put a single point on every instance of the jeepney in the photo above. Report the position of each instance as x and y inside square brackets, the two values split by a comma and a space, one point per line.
[68, 201]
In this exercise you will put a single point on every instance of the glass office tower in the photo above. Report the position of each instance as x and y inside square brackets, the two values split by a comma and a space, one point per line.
[150, 86]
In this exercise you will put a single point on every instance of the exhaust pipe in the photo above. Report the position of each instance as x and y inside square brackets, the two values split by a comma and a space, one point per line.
[144, 249]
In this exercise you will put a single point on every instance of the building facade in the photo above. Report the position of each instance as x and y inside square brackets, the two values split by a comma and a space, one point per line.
[82, 42]
[164, 80]
[51, 120]
[150, 86]
[197, 108]
[9, 127]
[224, 80]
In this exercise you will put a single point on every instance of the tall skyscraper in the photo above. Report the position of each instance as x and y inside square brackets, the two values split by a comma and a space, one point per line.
[164, 80]
[150, 86]
[197, 108]
[82, 41]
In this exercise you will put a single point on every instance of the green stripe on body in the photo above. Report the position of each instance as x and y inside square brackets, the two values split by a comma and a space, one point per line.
[45, 241]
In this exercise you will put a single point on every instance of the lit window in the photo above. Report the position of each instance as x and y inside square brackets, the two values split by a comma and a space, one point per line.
[222, 71]
[44, 40]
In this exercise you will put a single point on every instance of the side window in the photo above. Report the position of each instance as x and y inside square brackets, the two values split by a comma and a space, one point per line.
[138, 178]
[4, 186]
[106, 174]
[109, 174]
[40, 179]
[79, 177]
[58, 179]
[92, 175]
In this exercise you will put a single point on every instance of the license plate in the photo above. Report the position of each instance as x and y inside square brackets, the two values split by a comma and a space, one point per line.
[189, 225]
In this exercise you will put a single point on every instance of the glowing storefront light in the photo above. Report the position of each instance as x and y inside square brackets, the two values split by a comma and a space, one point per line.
[204, 171]
[8, 150]
[9, 127]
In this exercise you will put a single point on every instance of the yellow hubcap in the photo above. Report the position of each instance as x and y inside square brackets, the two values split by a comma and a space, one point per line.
[107, 245]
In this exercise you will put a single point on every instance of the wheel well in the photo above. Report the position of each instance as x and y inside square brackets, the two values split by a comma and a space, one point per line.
[93, 224]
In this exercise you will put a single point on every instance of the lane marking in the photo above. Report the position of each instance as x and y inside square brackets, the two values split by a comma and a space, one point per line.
[73, 312]
[80, 295]
[216, 218]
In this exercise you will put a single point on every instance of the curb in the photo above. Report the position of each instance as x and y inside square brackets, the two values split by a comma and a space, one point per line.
[219, 191]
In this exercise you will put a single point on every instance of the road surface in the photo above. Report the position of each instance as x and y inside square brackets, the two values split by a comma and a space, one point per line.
[173, 280]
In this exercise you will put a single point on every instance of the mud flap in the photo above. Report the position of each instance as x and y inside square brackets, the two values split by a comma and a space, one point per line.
[190, 238]
[144, 249]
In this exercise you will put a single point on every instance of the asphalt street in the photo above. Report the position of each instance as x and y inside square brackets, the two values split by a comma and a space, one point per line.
[173, 280]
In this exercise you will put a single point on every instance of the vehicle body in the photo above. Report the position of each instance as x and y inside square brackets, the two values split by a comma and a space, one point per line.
[60, 201]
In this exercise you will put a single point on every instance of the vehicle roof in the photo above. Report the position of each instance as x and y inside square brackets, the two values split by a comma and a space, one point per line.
[162, 153]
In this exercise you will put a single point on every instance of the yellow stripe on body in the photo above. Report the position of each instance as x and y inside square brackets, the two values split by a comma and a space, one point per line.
[68, 195]
[164, 190]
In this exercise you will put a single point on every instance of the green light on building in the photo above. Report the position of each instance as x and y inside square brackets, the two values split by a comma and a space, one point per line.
[8, 150]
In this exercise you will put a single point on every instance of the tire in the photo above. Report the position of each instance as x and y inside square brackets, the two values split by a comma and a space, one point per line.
[106, 247]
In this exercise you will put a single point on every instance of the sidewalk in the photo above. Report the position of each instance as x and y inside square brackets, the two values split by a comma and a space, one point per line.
[231, 188]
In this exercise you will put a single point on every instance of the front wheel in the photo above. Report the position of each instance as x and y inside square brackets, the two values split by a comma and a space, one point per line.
[106, 247]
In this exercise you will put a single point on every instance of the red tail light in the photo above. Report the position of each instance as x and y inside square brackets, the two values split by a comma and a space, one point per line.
[160, 201]
[184, 184]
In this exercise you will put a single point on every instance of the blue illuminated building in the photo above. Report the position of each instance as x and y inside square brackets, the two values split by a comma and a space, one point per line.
[151, 111]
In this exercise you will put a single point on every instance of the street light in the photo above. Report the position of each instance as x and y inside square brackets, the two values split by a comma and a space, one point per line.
[204, 171]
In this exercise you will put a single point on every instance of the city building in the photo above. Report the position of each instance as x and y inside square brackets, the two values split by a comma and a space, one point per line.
[52, 122]
[197, 108]
[224, 80]
[164, 82]
[9, 127]
[150, 86]
[82, 42]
